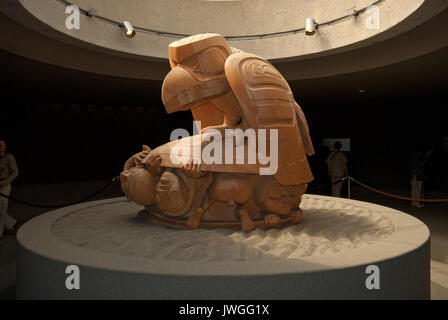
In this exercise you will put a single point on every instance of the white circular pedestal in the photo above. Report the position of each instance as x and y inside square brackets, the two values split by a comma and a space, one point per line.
[122, 256]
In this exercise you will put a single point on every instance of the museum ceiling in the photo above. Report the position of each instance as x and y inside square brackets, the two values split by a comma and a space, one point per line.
[408, 29]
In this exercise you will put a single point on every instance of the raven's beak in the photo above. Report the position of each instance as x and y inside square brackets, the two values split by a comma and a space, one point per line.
[182, 91]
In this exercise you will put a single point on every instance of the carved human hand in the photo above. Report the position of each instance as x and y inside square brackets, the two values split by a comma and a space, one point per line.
[153, 164]
[271, 220]
[138, 158]
[192, 170]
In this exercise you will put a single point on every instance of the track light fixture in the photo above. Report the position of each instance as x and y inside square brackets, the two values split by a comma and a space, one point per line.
[90, 12]
[130, 32]
[310, 28]
[353, 12]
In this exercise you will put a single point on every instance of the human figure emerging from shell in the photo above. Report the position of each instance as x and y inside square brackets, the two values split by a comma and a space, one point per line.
[225, 89]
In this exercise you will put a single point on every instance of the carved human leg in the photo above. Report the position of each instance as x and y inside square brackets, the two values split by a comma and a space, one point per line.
[246, 222]
[298, 216]
[195, 220]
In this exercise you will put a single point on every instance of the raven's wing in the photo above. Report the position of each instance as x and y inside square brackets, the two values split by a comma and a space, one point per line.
[304, 130]
[267, 102]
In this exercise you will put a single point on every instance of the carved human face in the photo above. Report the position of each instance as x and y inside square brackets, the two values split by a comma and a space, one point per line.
[171, 193]
[139, 186]
[277, 198]
[281, 199]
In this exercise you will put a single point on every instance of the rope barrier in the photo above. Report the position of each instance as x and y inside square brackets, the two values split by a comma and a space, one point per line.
[391, 195]
[114, 179]
[326, 185]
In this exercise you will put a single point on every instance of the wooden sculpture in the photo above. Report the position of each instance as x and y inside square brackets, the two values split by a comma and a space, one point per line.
[228, 91]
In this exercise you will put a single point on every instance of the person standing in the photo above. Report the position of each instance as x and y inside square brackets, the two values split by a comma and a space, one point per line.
[418, 162]
[8, 172]
[337, 168]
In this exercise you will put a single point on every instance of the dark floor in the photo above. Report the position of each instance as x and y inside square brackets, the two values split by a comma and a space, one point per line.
[435, 216]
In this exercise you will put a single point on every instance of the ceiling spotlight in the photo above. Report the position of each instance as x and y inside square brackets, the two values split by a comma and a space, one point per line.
[130, 32]
[90, 12]
[310, 28]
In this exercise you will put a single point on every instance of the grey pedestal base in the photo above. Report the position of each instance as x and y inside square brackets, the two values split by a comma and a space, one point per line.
[325, 257]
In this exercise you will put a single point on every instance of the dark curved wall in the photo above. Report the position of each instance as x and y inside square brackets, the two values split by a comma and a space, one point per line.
[65, 125]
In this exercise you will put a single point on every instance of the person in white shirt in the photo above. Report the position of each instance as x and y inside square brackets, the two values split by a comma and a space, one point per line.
[337, 168]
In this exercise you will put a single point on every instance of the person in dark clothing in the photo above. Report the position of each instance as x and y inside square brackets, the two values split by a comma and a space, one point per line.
[418, 161]
[8, 172]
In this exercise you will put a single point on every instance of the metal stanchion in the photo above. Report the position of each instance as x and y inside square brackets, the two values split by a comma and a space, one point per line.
[348, 186]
